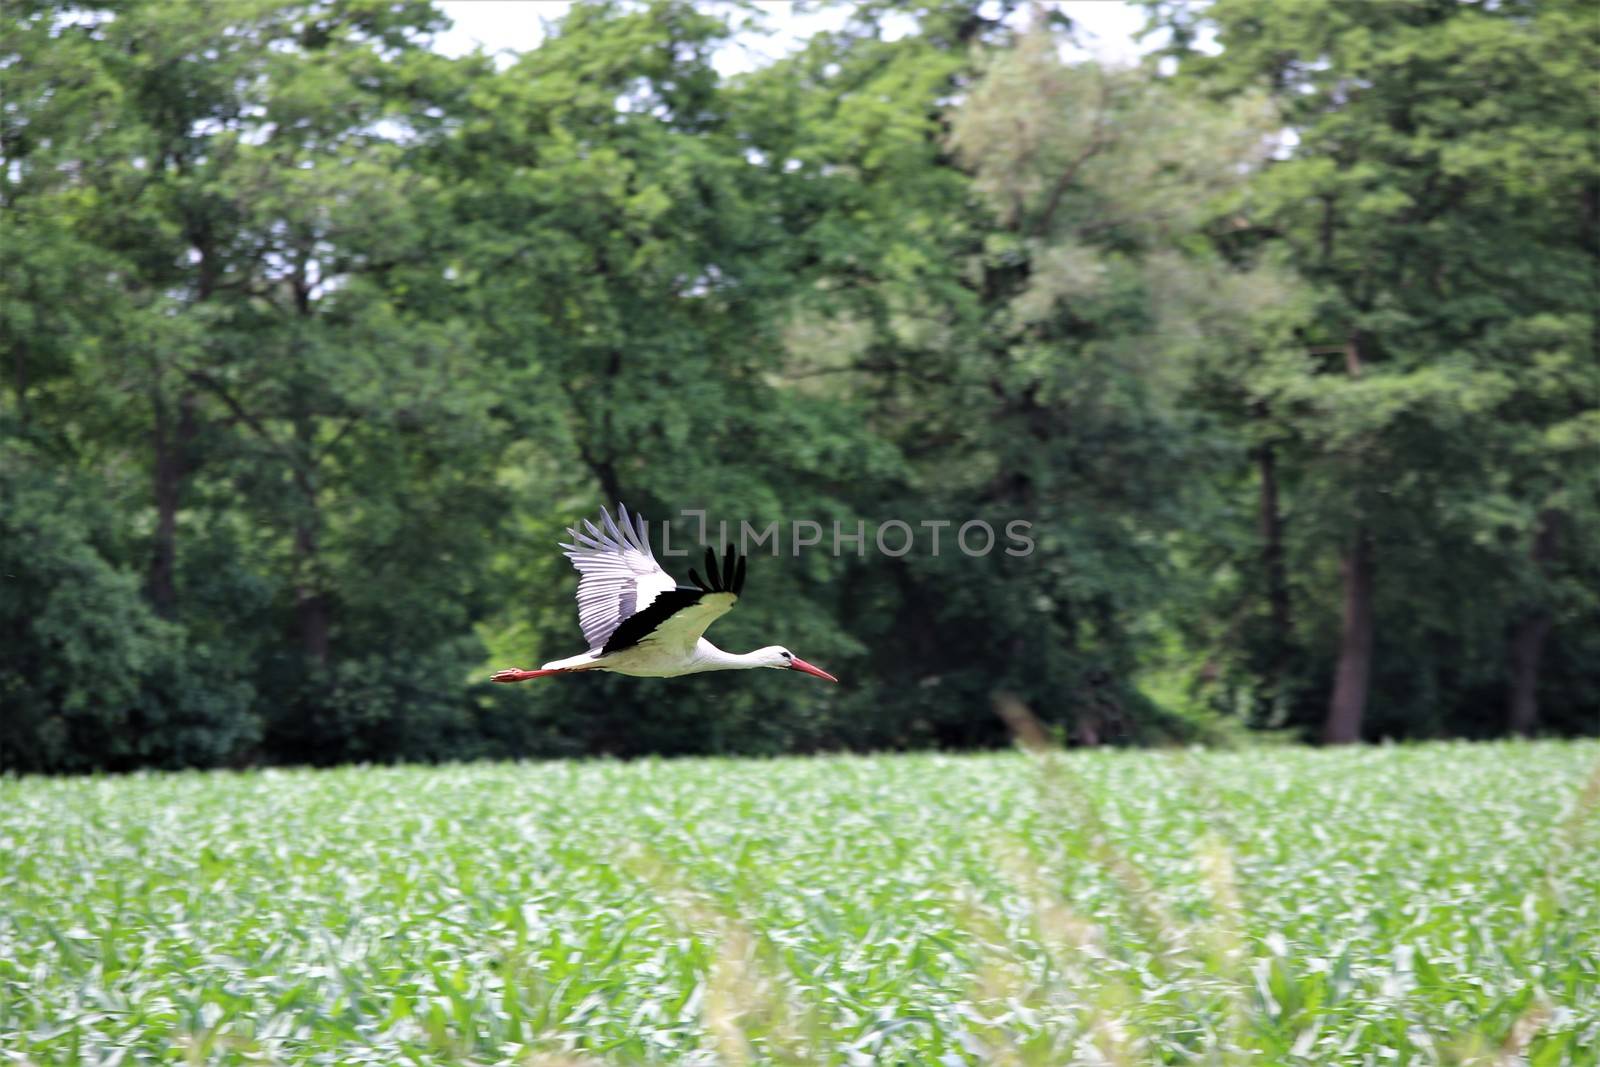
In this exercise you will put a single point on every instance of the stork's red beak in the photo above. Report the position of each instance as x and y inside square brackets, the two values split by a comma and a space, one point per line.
[798, 664]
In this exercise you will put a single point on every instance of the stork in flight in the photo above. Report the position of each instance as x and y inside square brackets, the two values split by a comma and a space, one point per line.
[640, 622]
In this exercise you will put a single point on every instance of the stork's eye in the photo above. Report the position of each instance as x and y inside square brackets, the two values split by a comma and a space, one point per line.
[786, 655]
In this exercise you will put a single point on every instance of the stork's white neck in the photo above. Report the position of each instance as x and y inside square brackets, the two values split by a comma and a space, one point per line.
[708, 657]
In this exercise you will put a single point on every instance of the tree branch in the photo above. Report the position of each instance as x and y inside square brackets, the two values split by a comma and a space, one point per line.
[206, 381]
[1098, 142]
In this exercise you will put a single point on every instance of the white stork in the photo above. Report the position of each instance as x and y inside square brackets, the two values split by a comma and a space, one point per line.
[638, 621]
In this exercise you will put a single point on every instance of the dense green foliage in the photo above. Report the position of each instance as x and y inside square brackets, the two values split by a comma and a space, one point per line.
[1172, 907]
[1438, 429]
[313, 340]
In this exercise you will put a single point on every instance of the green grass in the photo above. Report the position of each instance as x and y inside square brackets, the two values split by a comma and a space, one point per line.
[1431, 904]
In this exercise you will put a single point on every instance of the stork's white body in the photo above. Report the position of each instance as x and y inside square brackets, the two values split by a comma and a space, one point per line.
[651, 660]
[640, 622]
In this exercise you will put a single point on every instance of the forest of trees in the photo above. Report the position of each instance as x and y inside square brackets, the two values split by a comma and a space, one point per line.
[313, 340]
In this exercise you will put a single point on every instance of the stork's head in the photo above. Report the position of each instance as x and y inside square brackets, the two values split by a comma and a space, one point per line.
[782, 659]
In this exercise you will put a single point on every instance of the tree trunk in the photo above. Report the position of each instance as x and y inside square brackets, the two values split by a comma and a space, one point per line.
[605, 472]
[1271, 530]
[311, 608]
[1527, 646]
[1527, 639]
[1349, 703]
[171, 462]
[171, 444]
[311, 604]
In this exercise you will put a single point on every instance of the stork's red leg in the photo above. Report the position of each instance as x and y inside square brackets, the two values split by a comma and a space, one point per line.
[514, 675]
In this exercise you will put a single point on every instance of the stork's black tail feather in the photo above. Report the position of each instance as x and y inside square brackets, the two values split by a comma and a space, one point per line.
[726, 578]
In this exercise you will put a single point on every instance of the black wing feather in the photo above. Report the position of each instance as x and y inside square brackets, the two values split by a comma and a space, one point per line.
[637, 627]
[726, 577]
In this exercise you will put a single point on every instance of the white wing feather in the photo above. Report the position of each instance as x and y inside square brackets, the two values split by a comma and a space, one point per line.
[620, 575]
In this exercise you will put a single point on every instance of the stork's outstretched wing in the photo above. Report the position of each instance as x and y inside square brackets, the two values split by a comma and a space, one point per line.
[620, 574]
[678, 617]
